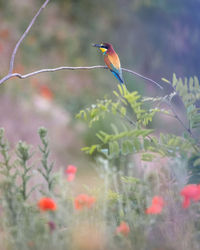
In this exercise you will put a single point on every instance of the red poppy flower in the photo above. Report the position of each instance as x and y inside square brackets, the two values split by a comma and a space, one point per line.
[158, 200]
[123, 228]
[190, 193]
[45, 92]
[46, 204]
[83, 200]
[71, 169]
[71, 172]
[156, 205]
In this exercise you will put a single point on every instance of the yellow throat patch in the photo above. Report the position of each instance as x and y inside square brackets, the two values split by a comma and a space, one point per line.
[103, 50]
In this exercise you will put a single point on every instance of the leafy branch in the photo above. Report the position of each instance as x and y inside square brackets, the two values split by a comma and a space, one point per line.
[134, 136]
[4, 150]
[46, 168]
[23, 153]
[7, 170]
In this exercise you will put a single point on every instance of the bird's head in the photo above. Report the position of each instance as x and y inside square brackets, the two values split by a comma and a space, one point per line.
[104, 47]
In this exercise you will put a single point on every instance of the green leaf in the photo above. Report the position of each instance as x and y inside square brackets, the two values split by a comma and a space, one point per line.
[82, 115]
[123, 111]
[127, 147]
[114, 148]
[147, 157]
[196, 82]
[92, 149]
[130, 180]
[196, 162]
[165, 80]
[137, 144]
[174, 80]
[146, 144]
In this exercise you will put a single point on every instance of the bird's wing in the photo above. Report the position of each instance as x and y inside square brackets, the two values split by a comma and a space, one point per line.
[114, 61]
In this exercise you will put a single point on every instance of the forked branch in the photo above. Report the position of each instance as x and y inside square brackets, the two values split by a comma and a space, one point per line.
[12, 60]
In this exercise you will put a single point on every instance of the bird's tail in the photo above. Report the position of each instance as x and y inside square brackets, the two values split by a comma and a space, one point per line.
[119, 78]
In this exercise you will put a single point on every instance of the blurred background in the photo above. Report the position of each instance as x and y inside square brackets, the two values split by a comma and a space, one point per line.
[155, 38]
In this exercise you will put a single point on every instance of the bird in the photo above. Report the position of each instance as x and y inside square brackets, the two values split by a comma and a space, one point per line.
[111, 59]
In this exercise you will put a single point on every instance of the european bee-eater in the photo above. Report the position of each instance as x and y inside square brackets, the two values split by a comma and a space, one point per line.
[111, 59]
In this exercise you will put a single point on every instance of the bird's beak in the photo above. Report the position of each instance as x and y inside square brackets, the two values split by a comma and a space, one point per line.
[96, 45]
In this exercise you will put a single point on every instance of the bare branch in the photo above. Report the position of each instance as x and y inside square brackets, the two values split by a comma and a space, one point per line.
[24, 35]
[143, 77]
[59, 68]
[74, 68]
[179, 119]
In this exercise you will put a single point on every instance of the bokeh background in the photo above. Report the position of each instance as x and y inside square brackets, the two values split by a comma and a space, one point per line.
[155, 38]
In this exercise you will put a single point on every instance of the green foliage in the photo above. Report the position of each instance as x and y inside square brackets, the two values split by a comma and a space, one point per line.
[22, 220]
[189, 91]
[46, 167]
[136, 191]
[130, 197]
[8, 185]
[4, 149]
[23, 153]
[126, 191]
[132, 133]
[18, 172]
[96, 112]
[125, 100]
[193, 168]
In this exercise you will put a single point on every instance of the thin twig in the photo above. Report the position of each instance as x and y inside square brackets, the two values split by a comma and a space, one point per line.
[127, 119]
[196, 146]
[178, 119]
[23, 36]
[143, 77]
